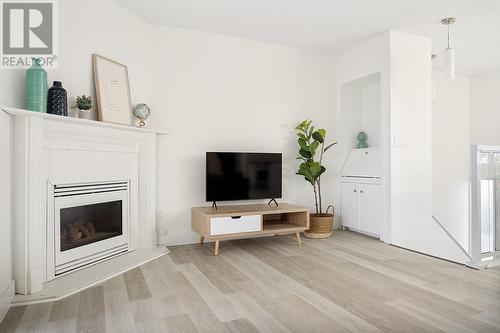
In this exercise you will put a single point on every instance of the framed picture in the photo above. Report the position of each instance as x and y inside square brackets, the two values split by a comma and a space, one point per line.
[112, 90]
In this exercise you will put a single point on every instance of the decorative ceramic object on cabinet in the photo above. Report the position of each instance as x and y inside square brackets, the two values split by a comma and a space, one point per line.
[36, 87]
[362, 140]
[57, 100]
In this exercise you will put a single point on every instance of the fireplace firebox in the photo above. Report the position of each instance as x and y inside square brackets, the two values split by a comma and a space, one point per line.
[82, 225]
[90, 224]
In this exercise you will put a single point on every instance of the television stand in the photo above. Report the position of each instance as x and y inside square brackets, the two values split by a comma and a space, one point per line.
[214, 205]
[248, 221]
[273, 200]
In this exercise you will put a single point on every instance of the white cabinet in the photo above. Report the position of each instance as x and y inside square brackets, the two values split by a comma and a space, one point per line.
[361, 207]
[370, 209]
[349, 205]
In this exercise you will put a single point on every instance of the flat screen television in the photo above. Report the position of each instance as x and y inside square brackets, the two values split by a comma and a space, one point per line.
[243, 176]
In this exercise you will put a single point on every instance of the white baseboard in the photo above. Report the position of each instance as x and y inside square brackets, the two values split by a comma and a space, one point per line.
[6, 298]
[336, 222]
[179, 238]
[36, 278]
[473, 265]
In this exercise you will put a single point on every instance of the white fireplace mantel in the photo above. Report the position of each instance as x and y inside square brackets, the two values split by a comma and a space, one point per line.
[51, 149]
[71, 120]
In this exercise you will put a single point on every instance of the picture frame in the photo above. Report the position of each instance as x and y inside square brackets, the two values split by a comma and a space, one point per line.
[112, 90]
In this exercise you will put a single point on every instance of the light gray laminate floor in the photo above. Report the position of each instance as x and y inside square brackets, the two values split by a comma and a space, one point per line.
[348, 283]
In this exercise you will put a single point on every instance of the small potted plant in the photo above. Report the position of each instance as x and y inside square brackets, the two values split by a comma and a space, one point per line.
[84, 107]
[311, 149]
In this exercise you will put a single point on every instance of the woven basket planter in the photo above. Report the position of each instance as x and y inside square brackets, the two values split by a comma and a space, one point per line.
[320, 226]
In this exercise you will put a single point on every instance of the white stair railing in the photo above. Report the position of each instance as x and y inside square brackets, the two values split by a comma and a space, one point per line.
[484, 225]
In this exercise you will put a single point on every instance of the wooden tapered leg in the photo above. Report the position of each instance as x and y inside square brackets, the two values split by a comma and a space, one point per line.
[201, 239]
[297, 234]
[216, 252]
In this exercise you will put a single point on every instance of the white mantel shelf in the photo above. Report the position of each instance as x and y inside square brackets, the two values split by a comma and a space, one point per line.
[21, 112]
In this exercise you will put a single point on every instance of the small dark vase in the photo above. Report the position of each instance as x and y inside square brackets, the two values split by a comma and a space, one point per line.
[57, 100]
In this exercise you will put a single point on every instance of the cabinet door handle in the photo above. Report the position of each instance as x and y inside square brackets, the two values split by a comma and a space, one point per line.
[355, 191]
[361, 191]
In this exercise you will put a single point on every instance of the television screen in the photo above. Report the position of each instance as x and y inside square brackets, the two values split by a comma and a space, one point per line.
[243, 176]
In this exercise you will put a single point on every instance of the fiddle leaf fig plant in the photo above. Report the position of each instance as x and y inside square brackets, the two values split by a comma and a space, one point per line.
[311, 149]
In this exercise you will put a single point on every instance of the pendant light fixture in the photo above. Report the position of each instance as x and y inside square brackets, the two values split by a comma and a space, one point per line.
[449, 53]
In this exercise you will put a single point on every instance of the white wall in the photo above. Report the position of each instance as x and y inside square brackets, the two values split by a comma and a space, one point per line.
[211, 92]
[371, 114]
[411, 124]
[485, 108]
[451, 156]
[411, 163]
[217, 93]
[351, 116]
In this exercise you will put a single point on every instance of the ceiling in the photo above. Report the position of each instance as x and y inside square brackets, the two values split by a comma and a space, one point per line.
[333, 25]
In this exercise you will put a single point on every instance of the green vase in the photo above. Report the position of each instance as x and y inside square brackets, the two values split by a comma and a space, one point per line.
[36, 87]
[362, 140]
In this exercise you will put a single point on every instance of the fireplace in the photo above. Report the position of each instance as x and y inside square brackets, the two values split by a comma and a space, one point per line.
[90, 223]
[61, 163]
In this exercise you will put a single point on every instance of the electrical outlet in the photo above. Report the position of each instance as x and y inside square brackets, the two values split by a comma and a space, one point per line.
[160, 223]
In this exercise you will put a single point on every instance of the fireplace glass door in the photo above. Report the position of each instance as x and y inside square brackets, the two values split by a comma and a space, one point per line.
[82, 225]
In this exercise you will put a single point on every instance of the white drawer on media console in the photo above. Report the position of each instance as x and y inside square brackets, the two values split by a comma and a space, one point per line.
[234, 224]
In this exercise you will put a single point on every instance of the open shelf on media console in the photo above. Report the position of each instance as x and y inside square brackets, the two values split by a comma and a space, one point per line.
[296, 221]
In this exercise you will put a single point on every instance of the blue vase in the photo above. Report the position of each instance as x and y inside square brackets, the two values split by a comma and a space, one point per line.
[36, 87]
[57, 100]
